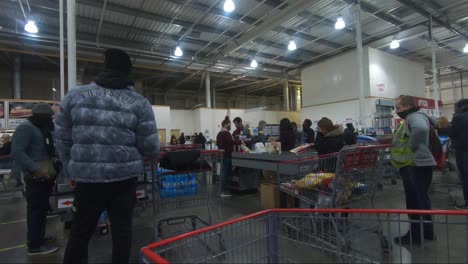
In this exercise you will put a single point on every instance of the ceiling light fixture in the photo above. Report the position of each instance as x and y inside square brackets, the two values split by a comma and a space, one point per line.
[292, 45]
[178, 52]
[254, 64]
[466, 48]
[340, 24]
[395, 44]
[229, 6]
[31, 27]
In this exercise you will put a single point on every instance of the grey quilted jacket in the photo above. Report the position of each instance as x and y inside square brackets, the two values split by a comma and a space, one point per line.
[103, 134]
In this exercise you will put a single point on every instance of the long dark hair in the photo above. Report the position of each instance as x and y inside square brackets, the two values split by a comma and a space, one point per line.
[285, 125]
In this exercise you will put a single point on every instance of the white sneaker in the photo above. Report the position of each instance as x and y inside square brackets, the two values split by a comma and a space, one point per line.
[225, 194]
[43, 250]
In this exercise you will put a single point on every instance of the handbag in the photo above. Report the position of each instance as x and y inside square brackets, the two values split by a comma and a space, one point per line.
[48, 169]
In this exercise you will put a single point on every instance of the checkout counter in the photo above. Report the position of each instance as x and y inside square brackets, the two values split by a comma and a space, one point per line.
[249, 167]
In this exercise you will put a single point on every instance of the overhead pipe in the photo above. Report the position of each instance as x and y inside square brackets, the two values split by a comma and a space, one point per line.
[461, 84]
[360, 62]
[101, 19]
[71, 40]
[208, 89]
[62, 50]
[17, 77]
[435, 84]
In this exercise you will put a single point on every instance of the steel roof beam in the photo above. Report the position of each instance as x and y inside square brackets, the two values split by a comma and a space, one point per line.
[436, 19]
[273, 21]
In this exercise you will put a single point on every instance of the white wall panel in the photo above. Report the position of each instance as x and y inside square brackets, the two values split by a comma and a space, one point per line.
[392, 76]
[333, 80]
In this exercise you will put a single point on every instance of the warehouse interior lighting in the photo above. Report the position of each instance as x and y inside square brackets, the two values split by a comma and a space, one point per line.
[229, 6]
[340, 24]
[178, 52]
[31, 27]
[254, 64]
[395, 44]
[292, 45]
[466, 48]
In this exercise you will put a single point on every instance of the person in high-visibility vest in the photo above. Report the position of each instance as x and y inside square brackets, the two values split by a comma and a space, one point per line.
[412, 157]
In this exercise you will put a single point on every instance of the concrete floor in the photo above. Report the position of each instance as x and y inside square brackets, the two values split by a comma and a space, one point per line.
[13, 225]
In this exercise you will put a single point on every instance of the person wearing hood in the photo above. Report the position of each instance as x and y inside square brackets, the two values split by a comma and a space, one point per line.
[287, 136]
[103, 132]
[411, 154]
[349, 136]
[330, 137]
[32, 145]
[459, 135]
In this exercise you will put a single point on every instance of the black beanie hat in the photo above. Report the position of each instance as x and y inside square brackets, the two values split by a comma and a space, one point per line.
[117, 60]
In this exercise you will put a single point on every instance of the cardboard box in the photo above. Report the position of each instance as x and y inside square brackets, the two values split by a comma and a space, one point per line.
[269, 196]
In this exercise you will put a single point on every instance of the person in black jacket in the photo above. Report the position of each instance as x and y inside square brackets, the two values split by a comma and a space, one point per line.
[330, 137]
[202, 140]
[287, 137]
[349, 135]
[309, 133]
[182, 139]
[460, 138]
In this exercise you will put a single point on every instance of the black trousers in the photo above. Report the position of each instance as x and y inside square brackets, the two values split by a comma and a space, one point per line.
[90, 200]
[462, 164]
[37, 197]
[416, 182]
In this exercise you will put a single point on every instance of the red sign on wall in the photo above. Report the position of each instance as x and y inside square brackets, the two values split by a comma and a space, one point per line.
[426, 103]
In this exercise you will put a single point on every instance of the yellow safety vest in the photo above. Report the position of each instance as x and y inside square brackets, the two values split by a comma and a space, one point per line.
[402, 155]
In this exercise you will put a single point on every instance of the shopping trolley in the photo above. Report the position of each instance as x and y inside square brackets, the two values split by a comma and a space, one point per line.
[329, 236]
[447, 179]
[175, 193]
[334, 180]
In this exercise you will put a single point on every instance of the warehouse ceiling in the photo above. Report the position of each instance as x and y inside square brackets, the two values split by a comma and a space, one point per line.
[225, 43]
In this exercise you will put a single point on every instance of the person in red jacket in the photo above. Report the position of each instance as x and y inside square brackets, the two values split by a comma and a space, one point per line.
[226, 142]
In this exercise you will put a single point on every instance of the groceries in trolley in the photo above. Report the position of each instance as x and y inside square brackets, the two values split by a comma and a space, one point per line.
[176, 185]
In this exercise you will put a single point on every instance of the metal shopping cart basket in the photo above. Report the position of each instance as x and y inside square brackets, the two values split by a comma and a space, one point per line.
[263, 238]
[176, 193]
[334, 180]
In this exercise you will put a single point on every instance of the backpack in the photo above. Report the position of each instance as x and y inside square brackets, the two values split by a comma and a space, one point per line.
[435, 146]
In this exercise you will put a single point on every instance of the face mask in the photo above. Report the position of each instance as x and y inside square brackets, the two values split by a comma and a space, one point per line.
[228, 128]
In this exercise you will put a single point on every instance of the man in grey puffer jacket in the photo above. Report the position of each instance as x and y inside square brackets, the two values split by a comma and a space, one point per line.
[103, 131]
[417, 178]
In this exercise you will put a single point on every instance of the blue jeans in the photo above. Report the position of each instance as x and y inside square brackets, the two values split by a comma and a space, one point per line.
[416, 182]
[37, 197]
[462, 164]
[226, 170]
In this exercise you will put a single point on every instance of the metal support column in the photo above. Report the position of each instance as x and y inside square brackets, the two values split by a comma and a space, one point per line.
[213, 96]
[17, 77]
[294, 96]
[71, 40]
[62, 51]
[461, 84]
[435, 83]
[454, 92]
[208, 89]
[360, 62]
[286, 96]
